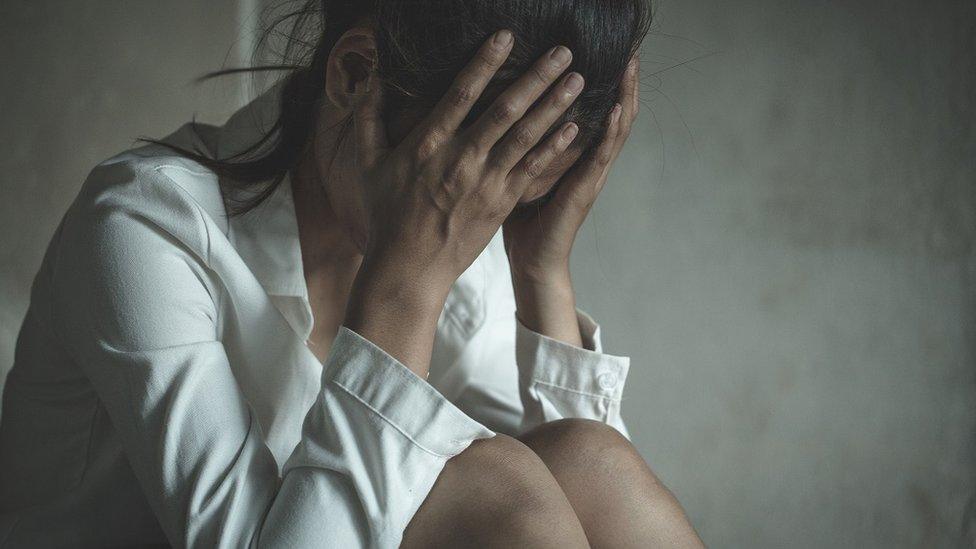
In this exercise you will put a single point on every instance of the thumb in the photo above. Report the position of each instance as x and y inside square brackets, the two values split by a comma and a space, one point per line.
[371, 138]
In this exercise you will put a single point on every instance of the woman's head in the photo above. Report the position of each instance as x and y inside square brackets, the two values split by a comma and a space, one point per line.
[418, 46]
[421, 46]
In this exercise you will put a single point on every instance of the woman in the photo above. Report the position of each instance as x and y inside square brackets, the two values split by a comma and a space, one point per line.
[334, 321]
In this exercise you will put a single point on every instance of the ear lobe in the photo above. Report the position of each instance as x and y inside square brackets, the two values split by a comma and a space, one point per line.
[352, 60]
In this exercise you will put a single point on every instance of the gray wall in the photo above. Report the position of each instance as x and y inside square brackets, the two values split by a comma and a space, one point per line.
[786, 249]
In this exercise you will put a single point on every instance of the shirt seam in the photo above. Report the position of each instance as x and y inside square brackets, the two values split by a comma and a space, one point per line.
[577, 392]
[399, 429]
[207, 241]
[197, 208]
[91, 441]
[13, 528]
[158, 167]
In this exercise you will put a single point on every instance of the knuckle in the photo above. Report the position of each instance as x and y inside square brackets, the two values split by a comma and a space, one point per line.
[534, 167]
[492, 55]
[524, 137]
[470, 156]
[462, 95]
[428, 145]
[470, 149]
[495, 164]
[454, 173]
[503, 112]
[562, 101]
[543, 72]
[492, 58]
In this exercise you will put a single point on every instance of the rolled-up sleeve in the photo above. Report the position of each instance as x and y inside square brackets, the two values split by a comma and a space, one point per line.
[139, 310]
[385, 432]
[558, 380]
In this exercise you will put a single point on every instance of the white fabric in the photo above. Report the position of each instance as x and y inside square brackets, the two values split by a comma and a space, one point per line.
[163, 391]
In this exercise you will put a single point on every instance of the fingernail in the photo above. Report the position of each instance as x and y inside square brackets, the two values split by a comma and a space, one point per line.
[561, 55]
[574, 82]
[615, 113]
[503, 38]
[569, 133]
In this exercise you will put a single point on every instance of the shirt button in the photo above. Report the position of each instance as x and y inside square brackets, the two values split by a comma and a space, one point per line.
[607, 381]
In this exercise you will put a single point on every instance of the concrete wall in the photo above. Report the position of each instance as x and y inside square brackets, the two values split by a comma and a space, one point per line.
[786, 249]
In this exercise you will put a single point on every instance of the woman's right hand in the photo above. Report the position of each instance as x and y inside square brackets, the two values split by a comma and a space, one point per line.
[436, 199]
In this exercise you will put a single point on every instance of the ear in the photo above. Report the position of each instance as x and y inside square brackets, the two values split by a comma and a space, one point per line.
[350, 63]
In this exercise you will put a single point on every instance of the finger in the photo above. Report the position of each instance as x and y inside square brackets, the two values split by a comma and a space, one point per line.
[610, 148]
[512, 104]
[636, 86]
[584, 181]
[527, 133]
[628, 91]
[371, 139]
[628, 104]
[534, 164]
[467, 87]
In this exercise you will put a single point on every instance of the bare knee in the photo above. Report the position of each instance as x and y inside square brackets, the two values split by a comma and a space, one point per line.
[616, 496]
[504, 473]
[498, 492]
[588, 445]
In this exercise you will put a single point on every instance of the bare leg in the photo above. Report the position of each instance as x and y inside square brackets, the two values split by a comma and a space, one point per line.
[497, 493]
[616, 496]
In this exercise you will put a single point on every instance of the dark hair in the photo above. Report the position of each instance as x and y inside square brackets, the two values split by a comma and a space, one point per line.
[422, 44]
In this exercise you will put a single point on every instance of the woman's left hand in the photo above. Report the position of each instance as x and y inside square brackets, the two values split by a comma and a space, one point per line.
[539, 240]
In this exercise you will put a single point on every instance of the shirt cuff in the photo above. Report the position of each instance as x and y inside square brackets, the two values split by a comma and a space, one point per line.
[408, 403]
[588, 370]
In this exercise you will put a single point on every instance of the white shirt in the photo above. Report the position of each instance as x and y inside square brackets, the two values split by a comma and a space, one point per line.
[163, 391]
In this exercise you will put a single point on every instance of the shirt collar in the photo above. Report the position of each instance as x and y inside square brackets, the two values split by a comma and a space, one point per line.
[267, 236]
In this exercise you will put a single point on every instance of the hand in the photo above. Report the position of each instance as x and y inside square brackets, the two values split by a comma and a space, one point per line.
[539, 240]
[435, 200]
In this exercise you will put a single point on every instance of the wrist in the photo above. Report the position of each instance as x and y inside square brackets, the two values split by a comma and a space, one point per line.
[395, 291]
[398, 312]
[551, 275]
[547, 305]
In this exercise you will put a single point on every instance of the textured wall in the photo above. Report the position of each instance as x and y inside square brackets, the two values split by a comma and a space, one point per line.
[788, 254]
[83, 80]
[786, 249]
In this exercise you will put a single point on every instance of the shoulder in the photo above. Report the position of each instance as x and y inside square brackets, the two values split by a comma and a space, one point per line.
[131, 262]
[154, 186]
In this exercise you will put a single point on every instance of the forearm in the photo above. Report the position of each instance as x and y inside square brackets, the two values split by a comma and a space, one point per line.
[547, 305]
[397, 312]
[559, 377]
